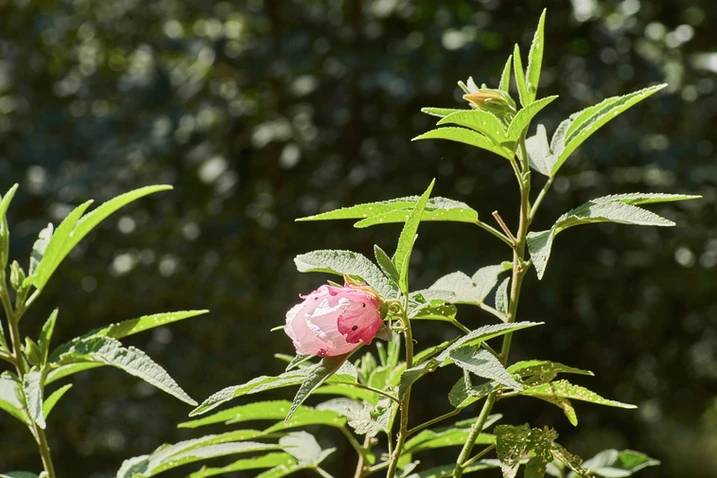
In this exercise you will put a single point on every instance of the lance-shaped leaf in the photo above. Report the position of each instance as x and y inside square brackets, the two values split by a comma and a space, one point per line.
[262, 462]
[620, 208]
[110, 351]
[535, 59]
[540, 155]
[347, 390]
[402, 256]
[269, 410]
[140, 324]
[505, 76]
[482, 334]
[46, 334]
[11, 394]
[4, 228]
[453, 435]
[307, 416]
[564, 389]
[63, 371]
[411, 375]
[480, 121]
[617, 464]
[32, 387]
[466, 136]
[524, 117]
[386, 265]
[317, 375]
[502, 301]
[441, 112]
[55, 397]
[537, 372]
[38, 252]
[483, 364]
[75, 227]
[519, 75]
[346, 262]
[168, 457]
[586, 122]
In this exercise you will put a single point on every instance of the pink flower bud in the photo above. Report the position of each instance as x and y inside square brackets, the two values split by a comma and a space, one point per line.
[333, 320]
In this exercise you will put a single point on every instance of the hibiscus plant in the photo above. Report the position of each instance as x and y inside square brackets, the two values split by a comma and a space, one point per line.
[354, 339]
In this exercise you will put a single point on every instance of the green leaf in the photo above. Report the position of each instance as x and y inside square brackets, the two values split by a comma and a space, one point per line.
[519, 75]
[435, 310]
[466, 136]
[140, 324]
[540, 155]
[505, 76]
[55, 397]
[482, 334]
[573, 462]
[540, 443]
[349, 391]
[11, 397]
[411, 375]
[18, 474]
[316, 376]
[484, 364]
[524, 117]
[269, 410]
[257, 463]
[70, 369]
[38, 251]
[386, 265]
[441, 112]
[304, 447]
[458, 288]
[299, 361]
[346, 262]
[372, 419]
[447, 470]
[4, 228]
[535, 59]
[481, 121]
[511, 443]
[407, 239]
[109, 351]
[6, 199]
[464, 393]
[620, 208]
[32, 387]
[617, 464]
[307, 416]
[73, 229]
[453, 435]
[46, 334]
[501, 297]
[565, 389]
[537, 372]
[168, 457]
[589, 120]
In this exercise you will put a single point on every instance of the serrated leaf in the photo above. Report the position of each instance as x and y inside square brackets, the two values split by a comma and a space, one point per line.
[478, 120]
[525, 115]
[519, 75]
[372, 419]
[617, 464]
[307, 416]
[109, 351]
[535, 59]
[140, 324]
[11, 400]
[464, 393]
[46, 334]
[168, 457]
[73, 229]
[32, 387]
[453, 435]
[501, 297]
[589, 120]
[55, 397]
[466, 136]
[435, 310]
[540, 155]
[386, 265]
[482, 334]
[618, 208]
[315, 377]
[346, 262]
[483, 364]
[402, 256]
[505, 76]
[537, 372]
[257, 463]
[269, 410]
[565, 389]
[441, 112]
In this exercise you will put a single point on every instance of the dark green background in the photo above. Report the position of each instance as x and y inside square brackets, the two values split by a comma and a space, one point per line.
[259, 112]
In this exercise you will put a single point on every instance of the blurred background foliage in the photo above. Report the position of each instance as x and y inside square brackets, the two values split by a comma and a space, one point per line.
[260, 111]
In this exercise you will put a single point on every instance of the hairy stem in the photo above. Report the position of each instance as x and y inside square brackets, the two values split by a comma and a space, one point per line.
[405, 401]
[540, 198]
[494, 231]
[433, 421]
[520, 267]
[13, 320]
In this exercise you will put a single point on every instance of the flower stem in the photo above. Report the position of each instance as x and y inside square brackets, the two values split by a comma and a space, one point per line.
[520, 267]
[405, 401]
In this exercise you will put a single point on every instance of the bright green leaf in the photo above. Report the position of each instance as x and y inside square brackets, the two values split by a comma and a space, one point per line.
[535, 59]
[483, 364]
[257, 463]
[481, 121]
[406, 240]
[140, 324]
[565, 389]
[464, 393]
[505, 76]
[435, 310]
[316, 376]
[69, 369]
[524, 117]
[447, 470]
[55, 397]
[386, 265]
[441, 112]
[453, 435]
[519, 75]
[269, 410]
[466, 136]
[537, 372]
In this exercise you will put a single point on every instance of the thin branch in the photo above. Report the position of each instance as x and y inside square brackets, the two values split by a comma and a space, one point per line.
[505, 228]
[480, 455]
[371, 389]
[460, 326]
[494, 231]
[539, 199]
[433, 421]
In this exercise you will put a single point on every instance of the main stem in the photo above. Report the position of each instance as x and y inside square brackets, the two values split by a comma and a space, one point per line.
[13, 320]
[520, 267]
[405, 401]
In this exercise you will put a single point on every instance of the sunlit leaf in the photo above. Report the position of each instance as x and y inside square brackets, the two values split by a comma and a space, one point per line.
[402, 256]
[466, 136]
